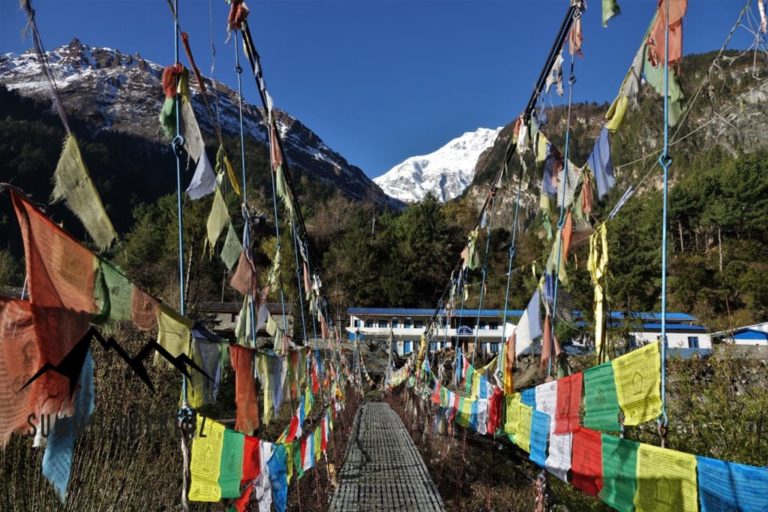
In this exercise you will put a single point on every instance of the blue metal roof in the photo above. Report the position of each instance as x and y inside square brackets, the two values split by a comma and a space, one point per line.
[674, 327]
[614, 315]
[750, 334]
[398, 312]
[620, 315]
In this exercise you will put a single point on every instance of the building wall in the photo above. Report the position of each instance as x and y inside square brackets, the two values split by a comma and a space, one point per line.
[676, 339]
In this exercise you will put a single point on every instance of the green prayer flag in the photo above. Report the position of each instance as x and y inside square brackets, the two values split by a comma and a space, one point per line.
[297, 465]
[282, 188]
[619, 472]
[72, 182]
[231, 469]
[218, 218]
[230, 253]
[610, 9]
[113, 293]
[167, 117]
[601, 405]
[468, 380]
[655, 78]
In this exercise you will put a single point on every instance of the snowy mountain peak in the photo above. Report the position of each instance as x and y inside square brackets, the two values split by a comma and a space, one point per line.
[445, 172]
[116, 91]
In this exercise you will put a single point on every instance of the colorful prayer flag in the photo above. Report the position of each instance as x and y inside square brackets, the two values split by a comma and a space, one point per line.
[231, 469]
[638, 384]
[568, 403]
[666, 480]
[587, 461]
[619, 472]
[539, 436]
[205, 462]
[731, 486]
[601, 405]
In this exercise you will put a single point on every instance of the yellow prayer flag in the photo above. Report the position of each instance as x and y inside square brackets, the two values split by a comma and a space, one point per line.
[523, 435]
[666, 480]
[512, 423]
[318, 444]
[72, 182]
[218, 219]
[615, 115]
[262, 361]
[173, 332]
[206, 460]
[231, 175]
[541, 147]
[638, 384]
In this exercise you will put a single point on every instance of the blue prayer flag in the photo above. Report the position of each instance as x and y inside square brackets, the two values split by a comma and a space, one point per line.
[57, 460]
[528, 397]
[278, 477]
[730, 486]
[601, 164]
[539, 435]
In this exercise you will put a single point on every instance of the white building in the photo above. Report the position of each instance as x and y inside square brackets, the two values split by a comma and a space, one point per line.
[748, 335]
[406, 325]
[683, 330]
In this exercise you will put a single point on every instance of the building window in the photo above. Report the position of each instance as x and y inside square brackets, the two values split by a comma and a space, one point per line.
[494, 326]
[356, 323]
[408, 323]
[383, 324]
[494, 348]
[483, 325]
[433, 345]
[418, 324]
[693, 342]
[369, 323]
[407, 347]
[395, 323]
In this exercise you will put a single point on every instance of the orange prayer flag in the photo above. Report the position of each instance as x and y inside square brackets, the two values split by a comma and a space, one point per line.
[245, 390]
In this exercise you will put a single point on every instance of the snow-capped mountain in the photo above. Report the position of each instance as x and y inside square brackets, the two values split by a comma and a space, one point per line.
[111, 90]
[445, 172]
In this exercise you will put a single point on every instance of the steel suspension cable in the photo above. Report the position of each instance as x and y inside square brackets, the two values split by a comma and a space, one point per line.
[512, 252]
[573, 9]
[489, 219]
[299, 286]
[561, 219]
[665, 161]
[244, 192]
[176, 144]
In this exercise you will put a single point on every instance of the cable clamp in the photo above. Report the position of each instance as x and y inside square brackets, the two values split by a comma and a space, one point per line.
[177, 144]
[186, 420]
[665, 160]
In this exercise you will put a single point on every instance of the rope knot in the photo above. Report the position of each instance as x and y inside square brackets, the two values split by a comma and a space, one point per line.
[665, 160]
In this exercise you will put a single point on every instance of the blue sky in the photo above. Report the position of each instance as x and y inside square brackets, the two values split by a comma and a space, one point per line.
[381, 80]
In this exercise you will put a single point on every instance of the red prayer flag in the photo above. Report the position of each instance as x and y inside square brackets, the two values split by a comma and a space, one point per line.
[242, 502]
[436, 394]
[568, 403]
[324, 436]
[61, 276]
[494, 410]
[251, 460]
[587, 460]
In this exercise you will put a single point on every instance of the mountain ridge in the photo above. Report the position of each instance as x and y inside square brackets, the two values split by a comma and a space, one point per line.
[119, 92]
